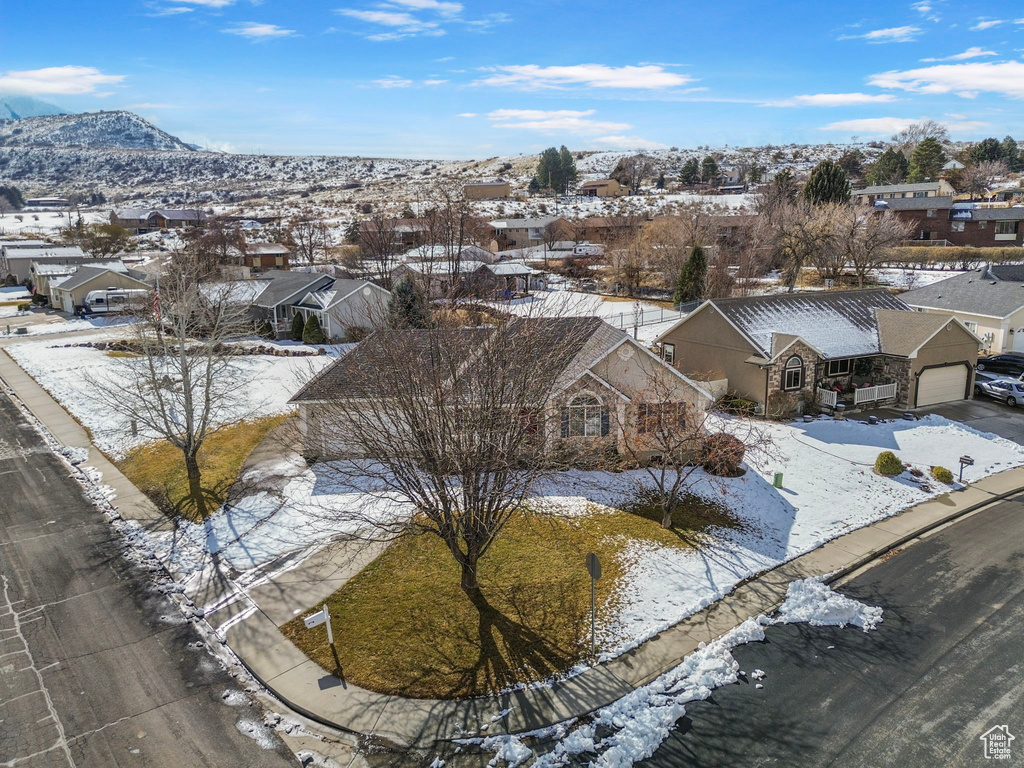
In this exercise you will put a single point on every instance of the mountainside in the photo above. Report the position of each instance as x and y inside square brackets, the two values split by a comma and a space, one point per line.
[17, 107]
[95, 130]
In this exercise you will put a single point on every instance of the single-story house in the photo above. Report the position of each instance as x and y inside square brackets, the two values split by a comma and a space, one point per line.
[868, 195]
[508, 234]
[437, 279]
[400, 234]
[602, 188]
[18, 261]
[989, 301]
[47, 275]
[966, 224]
[71, 291]
[444, 253]
[281, 293]
[143, 220]
[603, 384]
[264, 256]
[345, 305]
[487, 190]
[793, 353]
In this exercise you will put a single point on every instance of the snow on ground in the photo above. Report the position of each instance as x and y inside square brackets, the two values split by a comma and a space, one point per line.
[632, 728]
[14, 293]
[908, 279]
[77, 324]
[653, 318]
[72, 374]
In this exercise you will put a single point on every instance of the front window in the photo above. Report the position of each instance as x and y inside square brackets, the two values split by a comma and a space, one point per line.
[982, 225]
[585, 416]
[653, 416]
[931, 213]
[972, 327]
[793, 374]
[958, 226]
[1006, 227]
[838, 367]
[668, 353]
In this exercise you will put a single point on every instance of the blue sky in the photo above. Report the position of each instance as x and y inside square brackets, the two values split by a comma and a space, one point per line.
[474, 79]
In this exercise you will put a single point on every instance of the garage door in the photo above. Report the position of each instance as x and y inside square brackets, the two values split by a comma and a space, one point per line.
[941, 385]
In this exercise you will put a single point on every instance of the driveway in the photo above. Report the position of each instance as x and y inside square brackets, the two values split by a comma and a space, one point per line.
[984, 414]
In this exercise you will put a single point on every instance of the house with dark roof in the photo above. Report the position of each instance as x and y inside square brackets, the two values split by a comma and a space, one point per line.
[941, 220]
[602, 377]
[989, 301]
[798, 352]
[345, 307]
[143, 220]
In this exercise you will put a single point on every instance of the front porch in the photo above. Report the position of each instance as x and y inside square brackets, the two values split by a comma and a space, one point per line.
[856, 397]
[856, 383]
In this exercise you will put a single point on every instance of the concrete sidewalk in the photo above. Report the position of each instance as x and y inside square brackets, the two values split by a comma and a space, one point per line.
[249, 619]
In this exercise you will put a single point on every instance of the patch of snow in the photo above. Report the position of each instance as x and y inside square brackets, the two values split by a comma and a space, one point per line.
[811, 601]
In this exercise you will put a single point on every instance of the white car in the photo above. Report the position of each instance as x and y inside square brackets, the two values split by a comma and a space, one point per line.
[1010, 391]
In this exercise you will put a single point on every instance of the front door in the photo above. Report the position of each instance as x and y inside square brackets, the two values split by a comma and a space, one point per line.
[1018, 341]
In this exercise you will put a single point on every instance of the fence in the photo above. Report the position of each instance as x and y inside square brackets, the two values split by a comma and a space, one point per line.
[872, 394]
[626, 320]
[827, 397]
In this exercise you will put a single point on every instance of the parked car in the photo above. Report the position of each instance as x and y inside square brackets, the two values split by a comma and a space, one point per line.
[980, 377]
[1013, 364]
[1010, 391]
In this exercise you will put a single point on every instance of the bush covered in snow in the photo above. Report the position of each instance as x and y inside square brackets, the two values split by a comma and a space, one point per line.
[943, 475]
[887, 464]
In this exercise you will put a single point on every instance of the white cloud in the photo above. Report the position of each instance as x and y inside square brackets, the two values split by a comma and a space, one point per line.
[831, 100]
[68, 80]
[445, 58]
[467, 114]
[434, 82]
[533, 76]
[973, 52]
[986, 24]
[258, 32]
[627, 142]
[443, 8]
[1002, 77]
[401, 23]
[171, 11]
[553, 121]
[891, 35]
[926, 9]
[393, 81]
[889, 125]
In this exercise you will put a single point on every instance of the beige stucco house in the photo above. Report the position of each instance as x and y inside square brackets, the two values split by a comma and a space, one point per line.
[602, 188]
[71, 292]
[487, 190]
[794, 353]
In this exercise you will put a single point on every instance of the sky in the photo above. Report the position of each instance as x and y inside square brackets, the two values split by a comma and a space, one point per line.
[477, 79]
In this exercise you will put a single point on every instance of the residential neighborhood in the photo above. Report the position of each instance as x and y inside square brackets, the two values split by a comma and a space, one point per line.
[396, 385]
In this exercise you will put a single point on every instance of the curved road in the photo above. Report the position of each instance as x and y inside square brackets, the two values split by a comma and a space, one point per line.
[945, 666]
[96, 669]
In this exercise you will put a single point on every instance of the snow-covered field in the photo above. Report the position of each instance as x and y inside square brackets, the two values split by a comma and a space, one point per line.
[73, 376]
[908, 279]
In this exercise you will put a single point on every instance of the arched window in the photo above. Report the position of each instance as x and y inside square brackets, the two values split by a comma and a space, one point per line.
[793, 374]
[584, 416]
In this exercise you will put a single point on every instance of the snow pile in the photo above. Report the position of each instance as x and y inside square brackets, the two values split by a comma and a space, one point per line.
[811, 601]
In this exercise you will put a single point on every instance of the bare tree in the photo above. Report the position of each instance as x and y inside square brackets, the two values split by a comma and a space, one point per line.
[631, 171]
[378, 245]
[219, 242]
[182, 385]
[310, 236]
[866, 238]
[976, 179]
[794, 234]
[914, 134]
[669, 239]
[450, 423]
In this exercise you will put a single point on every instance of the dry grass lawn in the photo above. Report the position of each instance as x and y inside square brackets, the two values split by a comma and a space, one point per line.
[158, 469]
[403, 626]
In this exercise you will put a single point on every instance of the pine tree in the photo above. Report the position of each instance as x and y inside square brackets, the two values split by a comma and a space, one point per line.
[406, 309]
[690, 173]
[755, 174]
[298, 324]
[567, 170]
[692, 277]
[828, 184]
[549, 169]
[1011, 153]
[709, 170]
[312, 333]
[926, 161]
[890, 168]
[660, 183]
[534, 186]
[987, 150]
[266, 329]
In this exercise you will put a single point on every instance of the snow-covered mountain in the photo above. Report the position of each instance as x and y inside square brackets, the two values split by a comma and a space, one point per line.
[93, 130]
[16, 107]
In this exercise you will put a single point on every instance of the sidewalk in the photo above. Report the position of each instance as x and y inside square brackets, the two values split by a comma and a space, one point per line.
[249, 621]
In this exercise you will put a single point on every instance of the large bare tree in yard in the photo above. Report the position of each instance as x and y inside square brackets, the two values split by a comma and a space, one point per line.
[180, 383]
[378, 245]
[448, 422]
[310, 237]
[866, 239]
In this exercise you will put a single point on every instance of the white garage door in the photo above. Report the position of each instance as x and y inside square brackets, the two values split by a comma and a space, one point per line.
[941, 385]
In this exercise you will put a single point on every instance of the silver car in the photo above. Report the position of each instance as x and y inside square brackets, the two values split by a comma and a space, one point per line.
[1010, 391]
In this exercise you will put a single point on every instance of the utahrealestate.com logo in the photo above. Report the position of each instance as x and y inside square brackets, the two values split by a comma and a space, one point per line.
[997, 742]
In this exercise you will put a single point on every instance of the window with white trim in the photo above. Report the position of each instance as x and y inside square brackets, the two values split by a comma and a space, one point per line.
[585, 416]
[668, 353]
[838, 367]
[972, 327]
[793, 373]
[1006, 227]
[932, 213]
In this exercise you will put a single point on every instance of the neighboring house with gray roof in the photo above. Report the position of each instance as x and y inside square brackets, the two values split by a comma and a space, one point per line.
[869, 195]
[989, 301]
[346, 307]
[17, 260]
[71, 291]
[143, 220]
[509, 234]
[793, 353]
[604, 377]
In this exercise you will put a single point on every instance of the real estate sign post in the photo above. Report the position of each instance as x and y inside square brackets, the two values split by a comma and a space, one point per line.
[594, 567]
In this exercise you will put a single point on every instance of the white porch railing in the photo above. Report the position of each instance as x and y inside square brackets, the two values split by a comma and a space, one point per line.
[827, 397]
[873, 394]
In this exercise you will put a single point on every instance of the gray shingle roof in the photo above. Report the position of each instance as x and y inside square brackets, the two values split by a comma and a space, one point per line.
[836, 323]
[289, 285]
[994, 291]
[926, 186]
[918, 203]
[84, 274]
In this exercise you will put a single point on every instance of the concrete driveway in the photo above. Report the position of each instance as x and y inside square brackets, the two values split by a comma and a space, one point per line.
[984, 414]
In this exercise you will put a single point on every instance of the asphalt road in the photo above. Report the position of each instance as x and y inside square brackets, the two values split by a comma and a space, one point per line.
[95, 668]
[945, 666]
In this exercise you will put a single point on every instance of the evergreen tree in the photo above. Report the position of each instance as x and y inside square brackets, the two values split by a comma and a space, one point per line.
[549, 168]
[534, 186]
[660, 183]
[709, 170]
[567, 170]
[692, 277]
[1011, 153]
[852, 161]
[406, 308]
[828, 184]
[890, 168]
[926, 161]
[298, 324]
[312, 333]
[13, 196]
[690, 173]
[266, 329]
[988, 150]
[352, 232]
[755, 174]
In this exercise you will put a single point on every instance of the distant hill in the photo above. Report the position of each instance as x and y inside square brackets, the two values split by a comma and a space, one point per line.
[17, 107]
[94, 130]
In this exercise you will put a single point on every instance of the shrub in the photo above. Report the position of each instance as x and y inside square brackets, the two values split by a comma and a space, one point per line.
[266, 329]
[38, 298]
[943, 475]
[298, 324]
[887, 464]
[721, 454]
[24, 307]
[312, 333]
